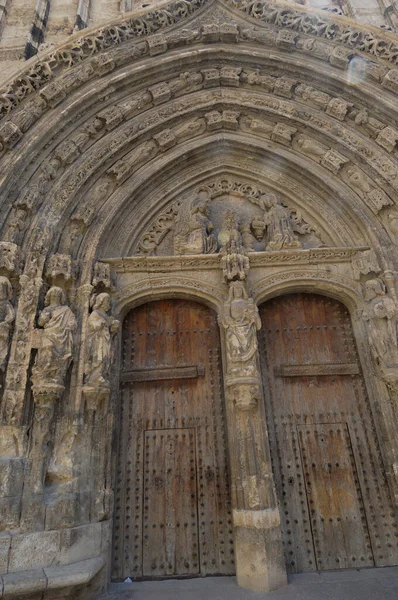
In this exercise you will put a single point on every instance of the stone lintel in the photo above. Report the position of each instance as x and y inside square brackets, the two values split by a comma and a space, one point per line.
[260, 563]
[212, 261]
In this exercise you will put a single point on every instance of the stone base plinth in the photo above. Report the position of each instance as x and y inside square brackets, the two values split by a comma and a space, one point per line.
[260, 563]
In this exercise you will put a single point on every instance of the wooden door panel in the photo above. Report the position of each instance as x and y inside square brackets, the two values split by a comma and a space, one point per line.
[334, 497]
[170, 544]
[172, 380]
[312, 376]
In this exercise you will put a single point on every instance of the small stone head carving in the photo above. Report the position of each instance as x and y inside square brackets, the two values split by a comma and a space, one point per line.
[237, 290]
[54, 296]
[269, 200]
[201, 201]
[374, 288]
[102, 301]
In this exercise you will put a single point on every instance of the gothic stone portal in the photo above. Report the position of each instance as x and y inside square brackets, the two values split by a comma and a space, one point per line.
[335, 505]
[173, 511]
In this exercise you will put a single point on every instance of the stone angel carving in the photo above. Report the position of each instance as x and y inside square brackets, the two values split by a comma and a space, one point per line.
[241, 321]
[100, 329]
[281, 224]
[193, 232]
[55, 347]
[7, 317]
[381, 315]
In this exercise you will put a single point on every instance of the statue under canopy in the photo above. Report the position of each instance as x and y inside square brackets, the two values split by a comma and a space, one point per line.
[55, 348]
[241, 322]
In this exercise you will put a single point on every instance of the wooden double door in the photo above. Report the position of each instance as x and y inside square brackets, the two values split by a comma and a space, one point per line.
[334, 500]
[172, 503]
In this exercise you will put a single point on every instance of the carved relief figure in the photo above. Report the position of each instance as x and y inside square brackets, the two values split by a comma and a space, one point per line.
[382, 319]
[16, 225]
[56, 344]
[7, 317]
[100, 329]
[278, 220]
[241, 321]
[194, 233]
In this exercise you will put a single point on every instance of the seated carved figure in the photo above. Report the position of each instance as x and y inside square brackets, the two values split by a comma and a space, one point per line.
[56, 342]
[193, 230]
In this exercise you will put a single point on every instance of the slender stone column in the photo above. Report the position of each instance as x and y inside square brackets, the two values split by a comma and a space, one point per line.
[258, 543]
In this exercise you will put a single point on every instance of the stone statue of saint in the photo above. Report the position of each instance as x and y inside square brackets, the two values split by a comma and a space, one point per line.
[280, 226]
[7, 317]
[56, 344]
[382, 320]
[241, 322]
[100, 329]
[194, 230]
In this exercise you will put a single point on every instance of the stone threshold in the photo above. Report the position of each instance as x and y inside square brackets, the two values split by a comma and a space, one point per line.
[50, 578]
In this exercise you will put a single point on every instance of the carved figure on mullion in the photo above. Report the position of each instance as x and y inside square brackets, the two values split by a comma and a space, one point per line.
[280, 223]
[55, 347]
[241, 321]
[100, 329]
[382, 322]
[7, 317]
[193, 233]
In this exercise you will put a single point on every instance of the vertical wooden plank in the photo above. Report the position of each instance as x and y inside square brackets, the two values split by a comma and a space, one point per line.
[170, 531]
[334, 496]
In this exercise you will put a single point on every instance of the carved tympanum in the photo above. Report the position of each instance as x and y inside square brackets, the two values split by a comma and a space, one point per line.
[241, 321]
[100, 329]
[55, 344]
[202, 225]
[7, 317]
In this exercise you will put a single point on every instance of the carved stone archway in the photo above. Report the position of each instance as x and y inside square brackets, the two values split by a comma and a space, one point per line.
[240, 100]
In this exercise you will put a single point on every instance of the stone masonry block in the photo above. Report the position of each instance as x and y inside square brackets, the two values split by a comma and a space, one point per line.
[12, 472]
[22, 584]
[81, 543]
[5, 544]
[35, 550]
[10, 512]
